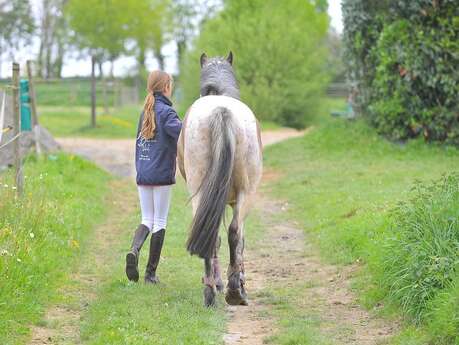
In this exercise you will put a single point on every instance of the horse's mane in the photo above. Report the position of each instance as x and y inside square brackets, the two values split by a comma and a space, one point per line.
[218, 78]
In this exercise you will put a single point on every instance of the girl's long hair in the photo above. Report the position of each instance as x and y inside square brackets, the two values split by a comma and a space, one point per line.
[157, 82]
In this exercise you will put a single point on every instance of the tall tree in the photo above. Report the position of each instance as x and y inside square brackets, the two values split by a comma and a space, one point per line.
[16, 26]
[53, 38]
[150, 27]
[185, 13]
[100, 28]
[188, 18]
[280, 56]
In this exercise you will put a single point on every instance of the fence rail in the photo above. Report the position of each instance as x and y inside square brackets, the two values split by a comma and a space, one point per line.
[338, 90]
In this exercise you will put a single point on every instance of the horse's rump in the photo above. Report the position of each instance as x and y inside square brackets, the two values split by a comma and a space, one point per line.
[221, 156]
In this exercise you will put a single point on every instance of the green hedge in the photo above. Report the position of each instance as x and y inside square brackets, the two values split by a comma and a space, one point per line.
[402, 58]
[279, 56]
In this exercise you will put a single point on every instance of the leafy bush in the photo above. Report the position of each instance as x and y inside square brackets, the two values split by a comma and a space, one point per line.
[421, 258]
[362, 26]
[402, 58]
[279, 56]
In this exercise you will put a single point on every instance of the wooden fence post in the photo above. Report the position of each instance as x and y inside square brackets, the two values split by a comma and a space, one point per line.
[33, 106]
[17, 130]
[93, 91]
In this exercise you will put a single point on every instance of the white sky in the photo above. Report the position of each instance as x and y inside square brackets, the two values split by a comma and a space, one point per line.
[334, 11]
[82, 67]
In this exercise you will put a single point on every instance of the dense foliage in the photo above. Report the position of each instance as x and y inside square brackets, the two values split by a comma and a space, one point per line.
[422, 255]
[402, 59]
[279, 56]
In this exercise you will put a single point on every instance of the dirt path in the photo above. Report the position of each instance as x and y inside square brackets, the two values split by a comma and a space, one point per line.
[117, 155]
[284, 256]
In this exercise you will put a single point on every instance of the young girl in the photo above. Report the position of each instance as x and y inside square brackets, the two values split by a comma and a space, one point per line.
[155, 160]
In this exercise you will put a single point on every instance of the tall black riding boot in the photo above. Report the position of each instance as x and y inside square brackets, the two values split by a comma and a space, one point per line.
[132, 258]
[156, 243]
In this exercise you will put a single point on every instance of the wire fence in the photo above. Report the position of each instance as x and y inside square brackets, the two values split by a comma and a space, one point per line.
[4, 129]
[14, 126]
[77, 92]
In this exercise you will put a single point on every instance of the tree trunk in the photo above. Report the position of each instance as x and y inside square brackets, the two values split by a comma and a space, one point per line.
[112, 78]
[46, 39]
[112, 67]
[160, 58]
[104, 86]
[58, 64]
[141, 70]
[181, 47]
[93, 91]
[49, 72]
[40, 51]
[1, 60]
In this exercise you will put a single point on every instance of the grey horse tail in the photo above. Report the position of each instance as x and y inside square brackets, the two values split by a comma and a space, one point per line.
[215, 186]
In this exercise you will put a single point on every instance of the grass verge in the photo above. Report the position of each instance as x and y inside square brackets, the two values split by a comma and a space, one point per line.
[41, 235]
[342, 181]
[75, 122]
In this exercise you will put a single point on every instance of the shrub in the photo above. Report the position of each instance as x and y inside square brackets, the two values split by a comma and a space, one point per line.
[421, 258]
[279, 56]
[403, 57]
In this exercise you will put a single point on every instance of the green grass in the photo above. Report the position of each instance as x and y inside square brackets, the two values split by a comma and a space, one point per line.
[41, 235]
[75, 122]
[71, 91]
[341, 181]
[64, 199]
[269, 126]
[421, 256]
[170, 313]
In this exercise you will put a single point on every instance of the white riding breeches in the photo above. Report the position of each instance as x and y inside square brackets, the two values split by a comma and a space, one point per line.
[154, 204]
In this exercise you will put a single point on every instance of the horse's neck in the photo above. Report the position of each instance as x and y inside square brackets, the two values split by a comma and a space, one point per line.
[232, 92]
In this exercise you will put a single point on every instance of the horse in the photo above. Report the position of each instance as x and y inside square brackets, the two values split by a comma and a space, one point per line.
[220, 157]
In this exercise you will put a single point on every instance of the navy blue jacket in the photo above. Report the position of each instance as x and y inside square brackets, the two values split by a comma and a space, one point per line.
[155, 159]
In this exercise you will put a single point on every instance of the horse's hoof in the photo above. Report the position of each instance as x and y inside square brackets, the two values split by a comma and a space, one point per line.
[236, 297]
[132, 271]
[209, 296]
[220, 286]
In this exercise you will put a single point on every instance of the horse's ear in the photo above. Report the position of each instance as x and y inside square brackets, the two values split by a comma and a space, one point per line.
[203, 59]
[230, 57]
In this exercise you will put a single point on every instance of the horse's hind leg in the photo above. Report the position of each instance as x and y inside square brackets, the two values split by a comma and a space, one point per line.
[236, 294]
[216, 268]
[209, 291]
